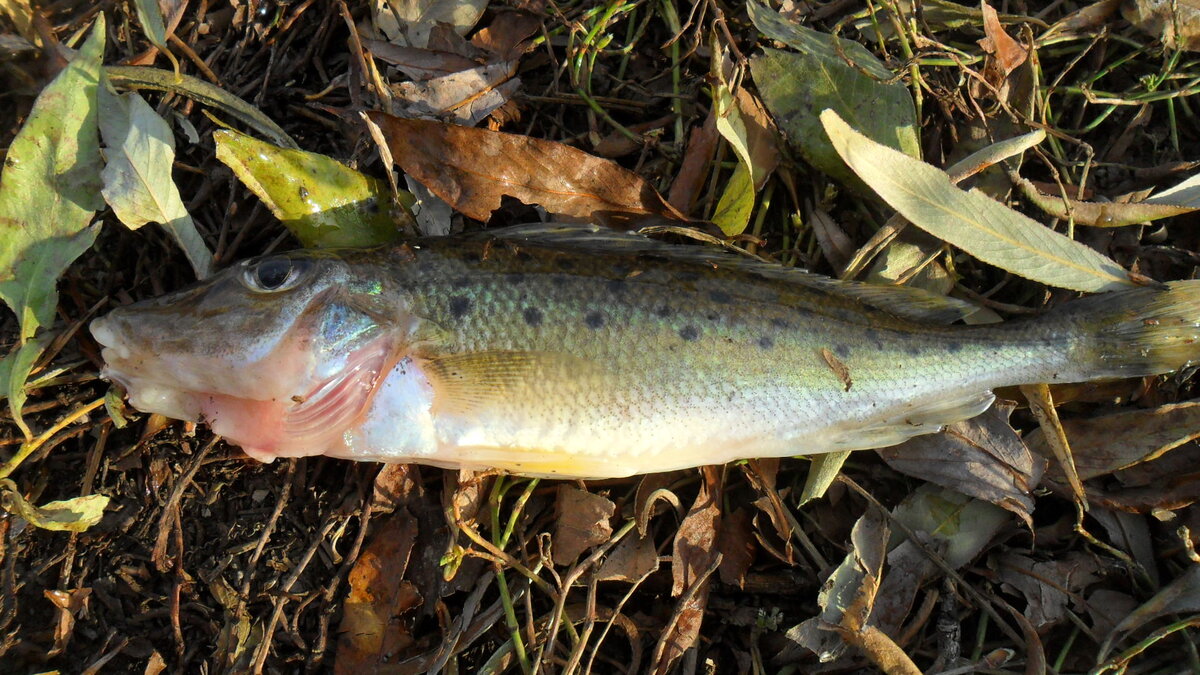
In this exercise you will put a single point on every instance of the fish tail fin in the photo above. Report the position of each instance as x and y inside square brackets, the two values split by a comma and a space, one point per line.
[1140, 331]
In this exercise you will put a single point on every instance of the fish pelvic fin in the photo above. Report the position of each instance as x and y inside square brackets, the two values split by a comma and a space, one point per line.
[1138, 332]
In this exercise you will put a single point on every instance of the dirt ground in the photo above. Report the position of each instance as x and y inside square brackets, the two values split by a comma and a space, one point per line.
[206, 561]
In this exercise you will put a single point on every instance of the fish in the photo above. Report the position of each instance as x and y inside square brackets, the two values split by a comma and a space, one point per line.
[571, 351]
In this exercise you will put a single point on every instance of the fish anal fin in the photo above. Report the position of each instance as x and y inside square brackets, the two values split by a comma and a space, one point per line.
[913, 419]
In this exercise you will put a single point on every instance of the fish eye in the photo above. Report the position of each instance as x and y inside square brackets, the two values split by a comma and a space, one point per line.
[272, 275]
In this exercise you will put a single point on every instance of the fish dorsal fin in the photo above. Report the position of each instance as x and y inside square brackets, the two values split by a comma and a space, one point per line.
[488, 382]
[902, 301]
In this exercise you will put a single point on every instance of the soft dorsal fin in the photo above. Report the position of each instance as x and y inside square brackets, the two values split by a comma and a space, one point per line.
[901, 301]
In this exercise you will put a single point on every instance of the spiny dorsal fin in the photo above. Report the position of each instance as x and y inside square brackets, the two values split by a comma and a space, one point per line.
[901, 301]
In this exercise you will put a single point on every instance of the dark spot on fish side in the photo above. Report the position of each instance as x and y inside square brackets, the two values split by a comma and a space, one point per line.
[663, 311]
[522, 256]
[765, 342]
[842, 350]
[459, 306]
[615, 285]
[558, 280]
[689, 333]
[913, 350]
[565, 263]
[471, 257]
[594, 320]
[461, 282]
[711, 316]
[720, 297]
[781, 324]
[954, 346]
[873, 335]
[533, 316]
[687, 277]
[516, 278]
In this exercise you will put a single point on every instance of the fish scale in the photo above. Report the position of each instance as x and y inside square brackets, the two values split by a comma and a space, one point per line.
[572, 351]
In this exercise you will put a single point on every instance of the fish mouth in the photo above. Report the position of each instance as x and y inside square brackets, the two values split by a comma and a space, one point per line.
[310, 421]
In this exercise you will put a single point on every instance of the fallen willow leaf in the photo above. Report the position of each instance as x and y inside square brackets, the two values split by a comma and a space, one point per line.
[150, 16]
[140, 150]
[581, 521]
[796, 87]
[1104, 444]
[375, 626]
[978, 225]
[982, 457]
[633, 559]
[68, 515]
[736, 544]
[509, 35]
[1103, 214]
[323, 202]
[473, 168]
[745, 125]
[49, 191]
[1186, 194]
[156, 79]
[821, 474]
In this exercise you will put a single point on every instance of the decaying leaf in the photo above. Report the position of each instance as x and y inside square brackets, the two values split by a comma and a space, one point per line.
[694, 559]
[745, 125]
[1048, 586]
[1111, 214]
[323, 202]
[982, 457]
[631, 560]
[473, 168]
[410, 22]
[140, 151]
[973, 222]
[418, 64]
[796, 87]
[1104, 444]
[465, 97]
[70, 604]
[582, 520]
[78, 514]
[49, 191]
[1181, 596]
[736, 544]
[375, 628]
[1175, 22]
[1007, 52]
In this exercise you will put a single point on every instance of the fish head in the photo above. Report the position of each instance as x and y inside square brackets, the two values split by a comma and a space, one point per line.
[278, 354]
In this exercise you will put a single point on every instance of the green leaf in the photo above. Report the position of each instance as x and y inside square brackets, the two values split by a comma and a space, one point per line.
[323, 202]
[797, 87]
[971, 221]
[824, 470]
[49, 191]
[14, 370]
[69, 515]
[150, 16]
[745, 125]
[137, 178]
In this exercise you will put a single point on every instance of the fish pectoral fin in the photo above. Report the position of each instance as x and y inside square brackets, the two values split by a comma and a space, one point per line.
[472, 382]
[914, 419]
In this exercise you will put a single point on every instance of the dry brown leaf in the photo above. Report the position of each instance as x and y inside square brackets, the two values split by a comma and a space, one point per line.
[581, 521]
[762, 473]
[1006, 52]
[1175, 22]
[702, 143]
[630, 561]
[736, 544]
[981, 457]
[693, 561]
[1048, 586]
[509, 35]
[375, 629]
[70, 605]
[465, 97]
[418, 64]
[1102, 445]
[473, 168]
